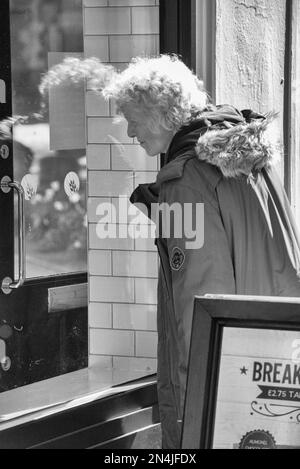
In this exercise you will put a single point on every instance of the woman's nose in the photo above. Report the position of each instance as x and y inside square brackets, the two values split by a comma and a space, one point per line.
[130, 131]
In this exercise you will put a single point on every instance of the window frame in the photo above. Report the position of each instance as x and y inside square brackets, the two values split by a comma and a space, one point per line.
[26, 310]
[196, 48]
[292, 107]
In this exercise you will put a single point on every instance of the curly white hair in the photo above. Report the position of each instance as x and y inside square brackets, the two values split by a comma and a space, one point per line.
[164, 87]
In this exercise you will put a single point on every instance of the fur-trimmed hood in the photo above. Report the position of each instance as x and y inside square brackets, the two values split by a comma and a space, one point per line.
[240, 149]
[238, 143]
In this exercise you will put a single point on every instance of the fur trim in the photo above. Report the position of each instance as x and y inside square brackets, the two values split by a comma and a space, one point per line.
[241, 149]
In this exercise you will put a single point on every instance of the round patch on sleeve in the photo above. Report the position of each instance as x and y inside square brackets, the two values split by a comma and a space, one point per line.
[177, 258]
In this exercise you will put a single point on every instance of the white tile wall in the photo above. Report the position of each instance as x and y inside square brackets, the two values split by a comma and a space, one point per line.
[95, 3]
[135, 264]
[105, 130]
[147, 365]
[123, 48]
[95, 242]
[96, 46]
[111, 342]
[111, 289]
[134, 316]
[98, 156]
[110, 183]
[145, 20]
[145, 291]
[131, 2]
[101, 361]
[100, 315]
[93, 207]
[141, 244]
[122, 271]
[103, 21]
[96, 105]
[146, 344]
[100, 262]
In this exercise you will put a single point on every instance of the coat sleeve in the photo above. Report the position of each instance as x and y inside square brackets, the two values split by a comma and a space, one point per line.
[199, 262]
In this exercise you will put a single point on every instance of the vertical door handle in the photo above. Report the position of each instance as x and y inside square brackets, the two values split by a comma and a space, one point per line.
[21, 235]
[7, 284]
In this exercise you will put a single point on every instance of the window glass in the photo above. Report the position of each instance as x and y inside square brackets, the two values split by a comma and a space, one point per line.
[50, 164]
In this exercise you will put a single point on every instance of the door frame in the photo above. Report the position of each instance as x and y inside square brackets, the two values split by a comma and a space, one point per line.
[24, 312]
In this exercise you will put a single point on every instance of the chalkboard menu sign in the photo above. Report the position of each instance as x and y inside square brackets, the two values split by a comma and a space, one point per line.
[243, 389]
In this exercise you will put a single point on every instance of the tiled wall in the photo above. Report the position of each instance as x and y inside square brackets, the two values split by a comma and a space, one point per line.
[122, 272]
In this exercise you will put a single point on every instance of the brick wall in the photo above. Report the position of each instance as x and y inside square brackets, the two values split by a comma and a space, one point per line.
[122, 272]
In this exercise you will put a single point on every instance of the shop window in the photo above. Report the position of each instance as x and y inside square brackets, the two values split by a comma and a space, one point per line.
[47, 161]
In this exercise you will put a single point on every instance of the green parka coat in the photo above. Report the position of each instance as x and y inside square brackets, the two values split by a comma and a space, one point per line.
[251, 246]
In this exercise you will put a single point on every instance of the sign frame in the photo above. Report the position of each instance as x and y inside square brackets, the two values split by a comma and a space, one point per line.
[212, 313]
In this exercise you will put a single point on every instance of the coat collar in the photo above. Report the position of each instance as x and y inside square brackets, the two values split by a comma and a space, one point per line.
[233, 143]
[174, 169]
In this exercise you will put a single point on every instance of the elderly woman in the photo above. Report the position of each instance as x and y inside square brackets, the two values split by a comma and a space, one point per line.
[222, 158]
[216, 156]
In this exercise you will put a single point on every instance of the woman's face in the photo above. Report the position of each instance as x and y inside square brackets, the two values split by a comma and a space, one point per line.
[139, 127]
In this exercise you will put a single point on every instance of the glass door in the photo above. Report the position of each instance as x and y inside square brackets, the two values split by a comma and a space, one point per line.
[43, 240]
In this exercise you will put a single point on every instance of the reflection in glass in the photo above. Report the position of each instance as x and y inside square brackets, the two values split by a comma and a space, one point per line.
[56, 226]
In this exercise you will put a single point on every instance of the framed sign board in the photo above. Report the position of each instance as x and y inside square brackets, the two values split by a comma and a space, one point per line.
[243, 387]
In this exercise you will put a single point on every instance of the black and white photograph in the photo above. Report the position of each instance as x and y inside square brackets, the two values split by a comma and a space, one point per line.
[150, 227]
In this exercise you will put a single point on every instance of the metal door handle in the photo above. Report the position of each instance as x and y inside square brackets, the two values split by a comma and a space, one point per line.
[7, 284]
[21, 235]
